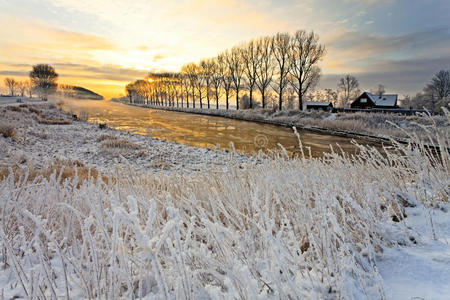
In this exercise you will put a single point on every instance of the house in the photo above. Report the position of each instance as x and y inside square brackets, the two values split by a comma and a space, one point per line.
[317, 105]
[368, 101]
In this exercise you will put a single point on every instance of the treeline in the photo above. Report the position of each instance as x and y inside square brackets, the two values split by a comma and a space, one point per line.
[42, 82]
[271, 64]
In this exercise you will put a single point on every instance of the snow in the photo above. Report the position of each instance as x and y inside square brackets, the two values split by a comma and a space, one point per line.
[422, 270]
[383, 100]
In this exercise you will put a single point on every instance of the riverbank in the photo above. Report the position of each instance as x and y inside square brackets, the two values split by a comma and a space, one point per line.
[35, 136]
[376, 127]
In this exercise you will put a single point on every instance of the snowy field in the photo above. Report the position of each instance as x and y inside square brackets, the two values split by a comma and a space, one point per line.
[367, 227]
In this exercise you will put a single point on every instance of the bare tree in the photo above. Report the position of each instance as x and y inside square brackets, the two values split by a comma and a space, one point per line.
[29, 87]
[191, 72]
[217, 80]
[184, 82]
[348, 86]
[208, 66]
[252, 62]
[379, 90]
[11, 83]
[22, 87]
[440, 84]
[199, 81]
[281, 48]
[234, 62]
[130, 91]
[225, 72]
[304, 55]
[266, 68]
[44, 79]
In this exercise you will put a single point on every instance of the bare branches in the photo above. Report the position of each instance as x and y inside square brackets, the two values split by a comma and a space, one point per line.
[349, 88]
[11, 83]
[253, 66]
[304, 55]
[266, 68]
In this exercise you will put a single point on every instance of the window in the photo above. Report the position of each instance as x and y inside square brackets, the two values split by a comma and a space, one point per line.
[363, 100]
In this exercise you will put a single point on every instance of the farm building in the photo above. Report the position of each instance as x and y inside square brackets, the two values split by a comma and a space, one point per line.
[319, 105]
[368, 100]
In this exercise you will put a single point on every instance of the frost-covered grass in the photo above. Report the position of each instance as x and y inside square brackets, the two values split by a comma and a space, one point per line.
[383, 125]
[280, 228]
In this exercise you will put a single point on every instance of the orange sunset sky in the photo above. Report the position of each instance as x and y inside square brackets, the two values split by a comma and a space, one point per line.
[103, 44]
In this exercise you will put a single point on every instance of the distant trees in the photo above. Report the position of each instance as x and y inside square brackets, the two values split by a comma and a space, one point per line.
[43, 78]
[259, 66]
[11, 84]
[22, 87]
[379, 90]
[439, 87]
[29, 87]
[348, 86]
[435, 94]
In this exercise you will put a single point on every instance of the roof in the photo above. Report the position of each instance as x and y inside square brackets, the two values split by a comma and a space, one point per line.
[318, 103]
[383, 100]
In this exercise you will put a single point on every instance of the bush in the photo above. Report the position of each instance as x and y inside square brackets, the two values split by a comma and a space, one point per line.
[8, 131]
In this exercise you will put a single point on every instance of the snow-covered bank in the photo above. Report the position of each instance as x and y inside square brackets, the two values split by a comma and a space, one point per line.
[43, 134]
[304, 228]
[422, 270]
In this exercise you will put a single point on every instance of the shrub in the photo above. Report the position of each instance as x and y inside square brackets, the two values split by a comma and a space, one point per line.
[117, 143]
[50, 120]
[8, 131]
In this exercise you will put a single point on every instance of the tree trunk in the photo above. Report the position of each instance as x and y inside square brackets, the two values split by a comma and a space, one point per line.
[251, 97]
[226, 98]
[280, 99]
[300, 96]
[237, 99]
[263, 96]
[217, 100]
[207, 96]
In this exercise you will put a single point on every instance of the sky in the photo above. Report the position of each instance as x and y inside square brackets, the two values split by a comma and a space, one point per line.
[104, 44]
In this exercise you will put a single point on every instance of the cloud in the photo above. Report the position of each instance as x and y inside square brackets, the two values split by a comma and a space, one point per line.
[36, 33]
[354, 51]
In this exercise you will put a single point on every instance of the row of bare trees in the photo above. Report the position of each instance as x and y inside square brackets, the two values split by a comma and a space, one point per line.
[271, 63]
[19, 88]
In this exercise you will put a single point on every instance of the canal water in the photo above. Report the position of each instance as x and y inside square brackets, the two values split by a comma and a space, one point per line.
[206, 131]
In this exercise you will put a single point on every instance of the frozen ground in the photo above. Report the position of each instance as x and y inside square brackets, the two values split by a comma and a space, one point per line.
[422, 270]
[37, 144]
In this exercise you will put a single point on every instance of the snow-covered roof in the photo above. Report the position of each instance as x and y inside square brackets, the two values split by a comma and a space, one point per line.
[383, 100]
[318, 103]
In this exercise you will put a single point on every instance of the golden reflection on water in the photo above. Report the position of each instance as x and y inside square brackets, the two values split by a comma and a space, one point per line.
[206, 131]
